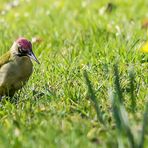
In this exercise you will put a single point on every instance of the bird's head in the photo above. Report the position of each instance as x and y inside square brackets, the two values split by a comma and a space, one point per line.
[23, 47]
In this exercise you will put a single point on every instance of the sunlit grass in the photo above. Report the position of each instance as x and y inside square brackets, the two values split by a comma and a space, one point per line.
[57, 107]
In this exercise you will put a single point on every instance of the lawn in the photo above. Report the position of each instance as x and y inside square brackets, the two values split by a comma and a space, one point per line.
[91, 88]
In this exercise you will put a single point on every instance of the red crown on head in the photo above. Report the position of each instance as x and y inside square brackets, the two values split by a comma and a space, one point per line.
[24, 43]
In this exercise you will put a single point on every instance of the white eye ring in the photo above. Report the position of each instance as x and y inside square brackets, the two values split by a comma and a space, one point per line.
[18, 45]
[20, 49]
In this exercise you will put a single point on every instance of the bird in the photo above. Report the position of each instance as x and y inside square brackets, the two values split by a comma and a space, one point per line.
[16, 67]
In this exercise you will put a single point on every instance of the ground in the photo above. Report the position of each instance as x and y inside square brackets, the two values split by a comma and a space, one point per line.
[90, 89]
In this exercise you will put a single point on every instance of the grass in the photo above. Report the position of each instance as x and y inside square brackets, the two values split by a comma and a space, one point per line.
[90, 61]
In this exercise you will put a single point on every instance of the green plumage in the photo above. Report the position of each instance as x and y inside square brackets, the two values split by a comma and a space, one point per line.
[5, 59]
[16, 67]
[14, 73]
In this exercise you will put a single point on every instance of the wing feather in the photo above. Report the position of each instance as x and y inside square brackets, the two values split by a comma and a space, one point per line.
[5, 59]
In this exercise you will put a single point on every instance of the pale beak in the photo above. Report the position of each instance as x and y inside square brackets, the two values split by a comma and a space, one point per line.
[32, 56]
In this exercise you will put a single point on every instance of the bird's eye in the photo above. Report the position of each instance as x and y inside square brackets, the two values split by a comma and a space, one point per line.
[20, 50]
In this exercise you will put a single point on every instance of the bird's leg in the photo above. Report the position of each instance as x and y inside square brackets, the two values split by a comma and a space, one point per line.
[12, 98]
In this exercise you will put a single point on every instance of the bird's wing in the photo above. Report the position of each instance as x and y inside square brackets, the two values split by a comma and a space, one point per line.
[5, 59]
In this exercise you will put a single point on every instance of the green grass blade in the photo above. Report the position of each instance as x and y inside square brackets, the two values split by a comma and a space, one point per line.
[126, 126]
[115, 109]
[93, 98]
[119, 110]
[117, 84]
[133, 100]
[144, 126]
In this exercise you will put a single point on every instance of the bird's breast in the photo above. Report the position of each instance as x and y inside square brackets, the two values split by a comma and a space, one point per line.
[16, 72]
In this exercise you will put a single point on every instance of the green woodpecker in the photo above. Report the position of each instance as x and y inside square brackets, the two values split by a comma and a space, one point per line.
[16, 67]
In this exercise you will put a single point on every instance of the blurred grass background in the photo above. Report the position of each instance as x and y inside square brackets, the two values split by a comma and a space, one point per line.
[56, 107]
